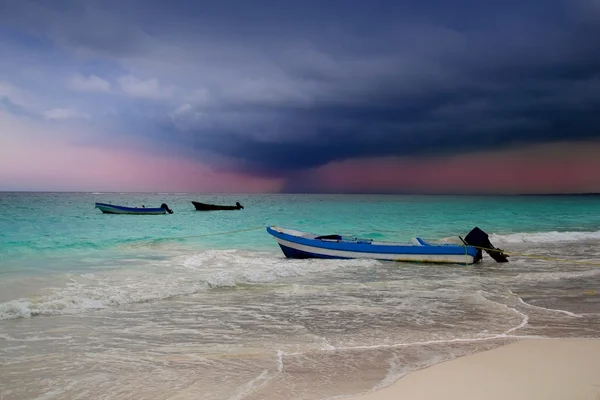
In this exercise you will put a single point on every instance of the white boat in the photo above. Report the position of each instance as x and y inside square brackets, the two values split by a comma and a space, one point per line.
[115, 209]
[297, 244]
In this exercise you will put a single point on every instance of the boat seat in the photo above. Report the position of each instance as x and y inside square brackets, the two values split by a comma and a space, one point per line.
[329, 237]
[422, 242]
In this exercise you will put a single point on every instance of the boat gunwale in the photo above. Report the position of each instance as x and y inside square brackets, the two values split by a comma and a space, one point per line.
[133, 210]
[372, 247]
[200, 206]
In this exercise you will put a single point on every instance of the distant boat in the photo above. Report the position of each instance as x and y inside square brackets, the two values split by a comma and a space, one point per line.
[214, 207]
[297, 244]
[114, 209]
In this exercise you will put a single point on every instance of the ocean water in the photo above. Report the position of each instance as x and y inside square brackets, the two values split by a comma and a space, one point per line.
[204, 305]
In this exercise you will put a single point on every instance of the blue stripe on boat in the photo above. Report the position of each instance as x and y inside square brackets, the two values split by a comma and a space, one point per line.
[294, 253]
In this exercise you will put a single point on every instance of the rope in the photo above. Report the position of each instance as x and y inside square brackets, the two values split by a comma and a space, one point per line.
[594, 263]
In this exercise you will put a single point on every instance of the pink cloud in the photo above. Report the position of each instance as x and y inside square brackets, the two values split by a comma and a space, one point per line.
[115, 170]
[563, 167]
[40, 158]
[37, 156]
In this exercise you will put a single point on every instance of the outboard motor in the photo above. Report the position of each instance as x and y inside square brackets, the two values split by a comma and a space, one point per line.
[166, 208]
[238, 205]
[480, 239]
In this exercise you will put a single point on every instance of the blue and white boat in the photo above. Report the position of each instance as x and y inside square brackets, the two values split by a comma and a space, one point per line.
[297, 244]
[114, 209]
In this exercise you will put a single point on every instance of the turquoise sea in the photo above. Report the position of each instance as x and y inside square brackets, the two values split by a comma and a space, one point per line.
[204, 305]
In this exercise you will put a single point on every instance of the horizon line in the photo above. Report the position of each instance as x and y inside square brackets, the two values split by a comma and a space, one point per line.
[308, 193]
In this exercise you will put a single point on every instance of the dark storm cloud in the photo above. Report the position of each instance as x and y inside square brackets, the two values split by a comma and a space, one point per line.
[291, 85]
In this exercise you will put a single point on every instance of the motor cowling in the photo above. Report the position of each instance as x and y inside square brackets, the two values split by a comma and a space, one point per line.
[479, 239]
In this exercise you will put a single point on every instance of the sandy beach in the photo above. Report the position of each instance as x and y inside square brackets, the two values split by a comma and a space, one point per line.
[565, 369]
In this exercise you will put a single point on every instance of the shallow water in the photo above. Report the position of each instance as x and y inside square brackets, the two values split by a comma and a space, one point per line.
[103, 306]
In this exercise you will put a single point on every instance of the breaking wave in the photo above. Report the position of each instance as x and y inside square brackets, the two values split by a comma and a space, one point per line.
[545, 237]
[181, 276]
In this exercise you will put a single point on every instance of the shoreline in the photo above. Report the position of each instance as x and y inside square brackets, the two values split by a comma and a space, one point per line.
[529, 369]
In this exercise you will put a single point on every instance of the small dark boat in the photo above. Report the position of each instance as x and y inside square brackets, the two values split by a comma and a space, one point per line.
[114, 209]
[215, 207]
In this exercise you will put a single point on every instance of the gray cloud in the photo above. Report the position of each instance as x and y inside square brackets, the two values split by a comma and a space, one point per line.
[275, 86]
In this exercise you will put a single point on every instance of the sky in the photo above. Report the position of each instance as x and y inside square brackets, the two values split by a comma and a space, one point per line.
[336, 96]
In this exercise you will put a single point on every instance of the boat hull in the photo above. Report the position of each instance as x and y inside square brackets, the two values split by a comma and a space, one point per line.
[114, 209]
[213, 207]
[294, 246]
